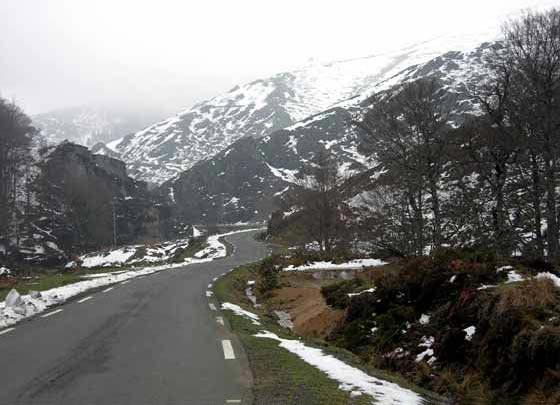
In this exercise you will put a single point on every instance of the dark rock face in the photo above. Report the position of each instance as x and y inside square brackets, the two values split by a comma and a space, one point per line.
[76, 194]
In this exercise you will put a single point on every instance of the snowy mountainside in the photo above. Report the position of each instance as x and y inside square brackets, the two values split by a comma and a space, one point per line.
[243, 182]
[88, 125]
[165, 149]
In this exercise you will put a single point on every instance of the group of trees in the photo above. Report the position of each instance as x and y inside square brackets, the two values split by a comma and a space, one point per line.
[16, 134]
[483, 180]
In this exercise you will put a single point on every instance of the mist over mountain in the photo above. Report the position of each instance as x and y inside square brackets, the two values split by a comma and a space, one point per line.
[87, 125]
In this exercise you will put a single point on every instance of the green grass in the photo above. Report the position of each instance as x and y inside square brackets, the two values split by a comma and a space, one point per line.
[40, 283]
[280, 377]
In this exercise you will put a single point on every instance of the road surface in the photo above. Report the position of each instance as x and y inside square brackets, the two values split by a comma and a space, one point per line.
[154, 340]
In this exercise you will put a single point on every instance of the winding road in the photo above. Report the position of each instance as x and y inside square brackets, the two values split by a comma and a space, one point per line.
[155, 340]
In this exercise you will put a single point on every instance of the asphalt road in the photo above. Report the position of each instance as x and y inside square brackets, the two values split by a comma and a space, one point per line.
[152, 341]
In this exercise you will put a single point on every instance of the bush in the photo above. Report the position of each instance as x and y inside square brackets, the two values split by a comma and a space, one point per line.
[336, 295]
[268, 274]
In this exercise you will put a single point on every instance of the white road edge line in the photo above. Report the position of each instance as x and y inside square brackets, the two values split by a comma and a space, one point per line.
[233, 401]
[108, 289]
[6, 330]
[228, 350]
[125, 282]
[220, 320]
[208, 293]
[51, 313]
[85, 299]
[212, 307]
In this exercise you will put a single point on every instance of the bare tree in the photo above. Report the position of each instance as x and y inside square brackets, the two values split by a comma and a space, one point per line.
[320, 182]
[15, 138]
[527, 98]
[407, 136]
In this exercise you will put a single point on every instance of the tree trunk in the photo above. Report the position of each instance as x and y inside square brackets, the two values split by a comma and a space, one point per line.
[503, 245]
[437, 233]
[551, 215]
[536, 201]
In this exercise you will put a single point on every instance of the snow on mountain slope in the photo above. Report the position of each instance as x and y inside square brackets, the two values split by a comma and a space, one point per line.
[165, 149]
[242, 182]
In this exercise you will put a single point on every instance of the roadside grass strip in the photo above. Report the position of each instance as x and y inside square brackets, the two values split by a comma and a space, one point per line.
[293, 371]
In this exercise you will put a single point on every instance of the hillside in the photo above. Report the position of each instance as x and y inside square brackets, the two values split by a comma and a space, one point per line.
[244, 182]
[167, 148]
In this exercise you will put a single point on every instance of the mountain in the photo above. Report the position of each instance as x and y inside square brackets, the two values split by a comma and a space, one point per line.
[245, 181]
[167, 148]
[88, 125]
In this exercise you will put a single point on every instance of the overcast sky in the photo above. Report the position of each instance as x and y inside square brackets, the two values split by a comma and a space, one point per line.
[58, 53]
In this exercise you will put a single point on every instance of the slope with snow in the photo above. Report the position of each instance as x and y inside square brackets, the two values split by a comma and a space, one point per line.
[245, 181]
[165, 149]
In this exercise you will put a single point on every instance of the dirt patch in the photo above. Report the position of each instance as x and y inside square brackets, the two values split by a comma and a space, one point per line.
[300, 295]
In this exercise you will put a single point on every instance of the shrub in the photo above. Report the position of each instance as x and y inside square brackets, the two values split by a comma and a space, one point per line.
[336, 294]
[268, 274]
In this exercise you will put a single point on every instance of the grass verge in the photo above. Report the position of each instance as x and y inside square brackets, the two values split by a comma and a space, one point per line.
[279, 376]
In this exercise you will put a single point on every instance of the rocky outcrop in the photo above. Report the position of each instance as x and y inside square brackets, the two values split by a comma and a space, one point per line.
[76, 202]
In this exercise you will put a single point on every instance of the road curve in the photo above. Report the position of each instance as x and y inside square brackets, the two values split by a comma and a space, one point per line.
[152, 341]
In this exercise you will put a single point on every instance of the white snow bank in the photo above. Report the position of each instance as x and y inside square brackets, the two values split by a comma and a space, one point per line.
[237, 310]
[322, 265]
[115, 257]
[350, 378]
[555, 279]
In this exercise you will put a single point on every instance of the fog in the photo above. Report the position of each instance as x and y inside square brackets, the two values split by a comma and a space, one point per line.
[171, 54]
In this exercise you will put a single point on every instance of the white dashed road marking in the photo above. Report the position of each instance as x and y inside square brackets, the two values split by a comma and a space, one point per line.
[51, 313]
[209, 285]
[6, 330]
[212, 307]
[108, 289]
[233, 401]
[208, 293]
[220, 320]
[85, 299]
[228, 350]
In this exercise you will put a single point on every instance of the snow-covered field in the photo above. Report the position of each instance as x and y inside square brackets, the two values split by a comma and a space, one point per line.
[351, 379]
[17, 307]
[322, 265]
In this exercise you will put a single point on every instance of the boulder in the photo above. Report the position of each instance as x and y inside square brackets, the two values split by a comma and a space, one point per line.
[13, 299]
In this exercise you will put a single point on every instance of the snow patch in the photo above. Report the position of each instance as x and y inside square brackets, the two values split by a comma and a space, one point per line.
[350, 378]
[323, 265]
